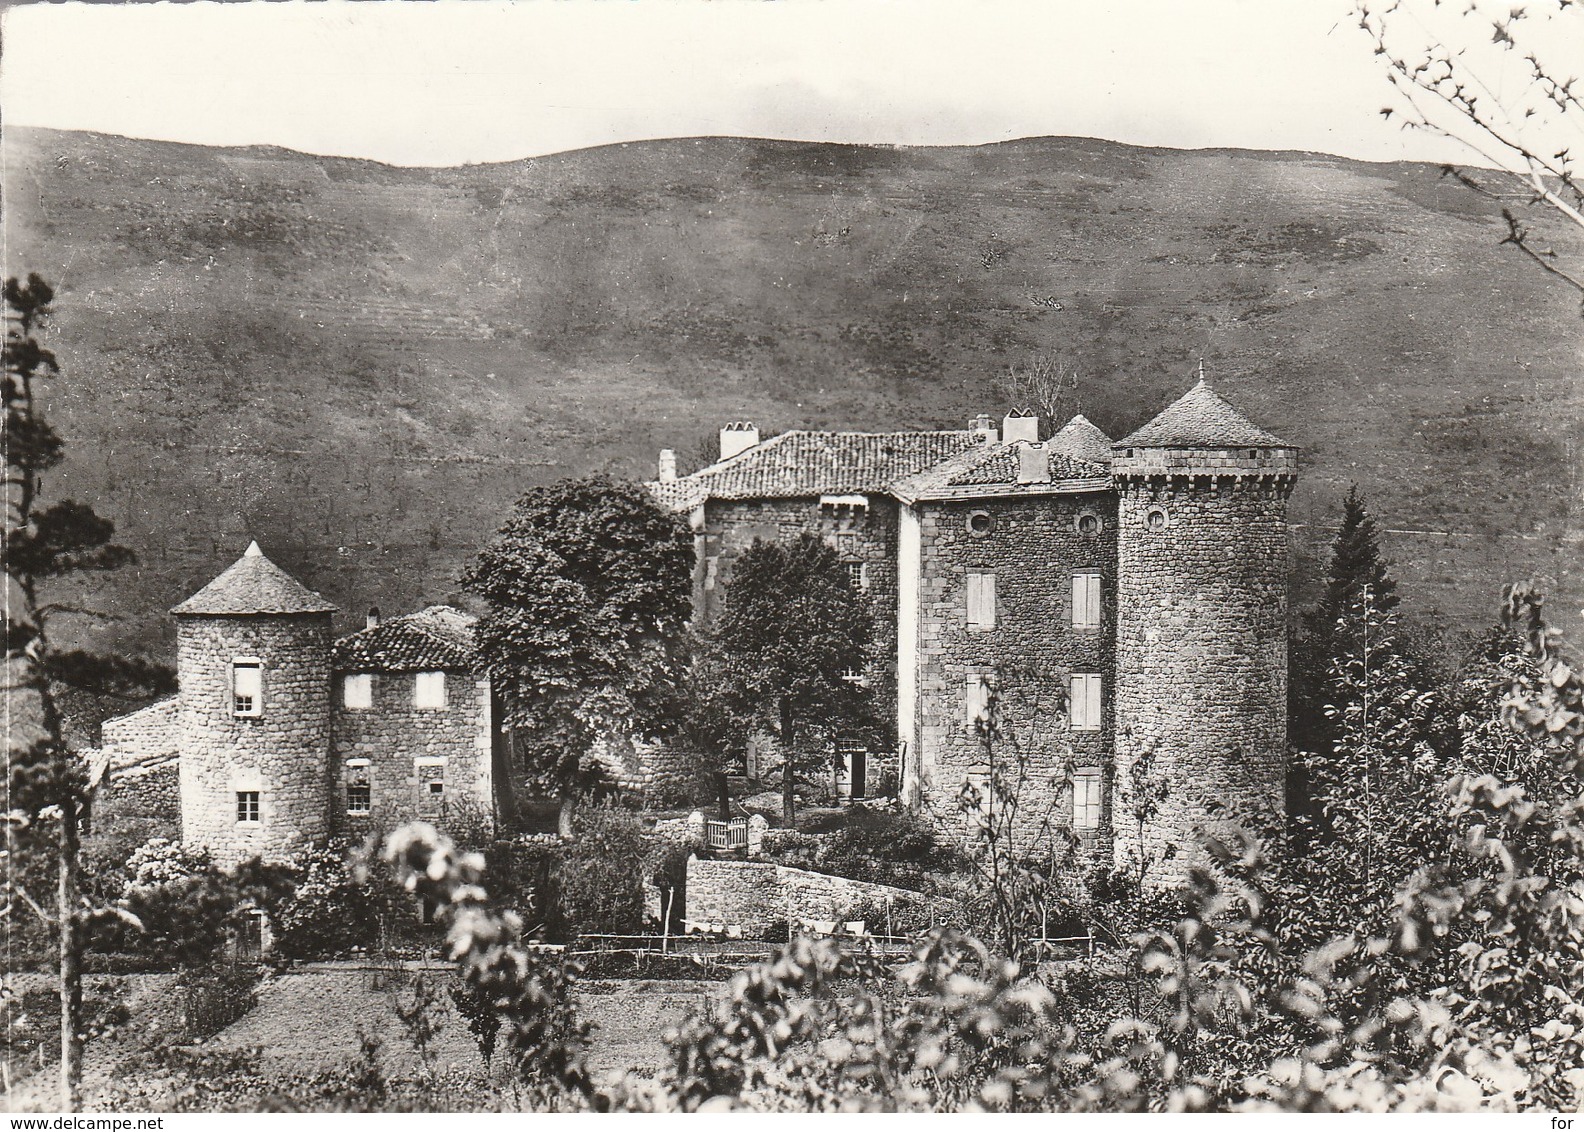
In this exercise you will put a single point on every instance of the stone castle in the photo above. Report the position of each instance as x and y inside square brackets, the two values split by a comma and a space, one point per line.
[1123, 604]
[281, 735]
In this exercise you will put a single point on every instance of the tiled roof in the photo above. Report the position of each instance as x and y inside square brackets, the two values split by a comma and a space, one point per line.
[800, 464]
[254, 584]
[1080, 439]
[1001, 467]
[1201, 418]
[437, 639]
[993, 470]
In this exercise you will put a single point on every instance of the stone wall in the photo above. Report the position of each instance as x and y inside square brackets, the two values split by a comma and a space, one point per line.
[282, 753]
[151, 732]
[140, 792]
[393, 736]
[757, 894]
[1202, 651]
[1033, 547]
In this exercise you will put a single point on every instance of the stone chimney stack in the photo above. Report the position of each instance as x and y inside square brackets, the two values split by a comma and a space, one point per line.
[1033, 463]
[739, 436]
[667, 465]
[372, 621]
[983, 428]
[1020, 424]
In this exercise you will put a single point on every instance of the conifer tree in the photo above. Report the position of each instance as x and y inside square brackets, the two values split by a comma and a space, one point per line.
[45, 784]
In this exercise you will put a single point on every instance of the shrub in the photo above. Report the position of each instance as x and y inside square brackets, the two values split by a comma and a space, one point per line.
[332, 909]
[601, 882]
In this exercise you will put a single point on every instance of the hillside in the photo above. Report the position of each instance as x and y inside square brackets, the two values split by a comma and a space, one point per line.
[362, 366]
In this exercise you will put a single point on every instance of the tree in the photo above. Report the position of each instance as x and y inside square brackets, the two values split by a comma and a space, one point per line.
[1500, 79]
[1355, 564]
[1378, 786]
[45, 789]
[589, 585]
[1046, 384]
[792, 631]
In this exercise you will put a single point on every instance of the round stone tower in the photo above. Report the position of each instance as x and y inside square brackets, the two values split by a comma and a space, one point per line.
[1201, 683]
[253, 660]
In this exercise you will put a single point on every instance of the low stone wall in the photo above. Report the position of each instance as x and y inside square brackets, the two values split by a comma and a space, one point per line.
[757, 894]
[140, 792]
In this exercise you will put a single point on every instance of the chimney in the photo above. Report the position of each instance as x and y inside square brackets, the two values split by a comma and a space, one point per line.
[373, 618]
[1020, 424]
[983, 428]
[739, 436]
[1033, 464]
[667, 465]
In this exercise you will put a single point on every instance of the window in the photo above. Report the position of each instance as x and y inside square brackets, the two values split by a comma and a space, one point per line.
[1085, 706]
[359, 798]
[1088, 524]
[981, 600]
[980, 523]
[858, 575]
[976, 698]
[248, 806]
[1086, 600]
[430, 772]
[429, 690]
[853, 676]
[1156, 519]
[357, 692]
[247, 687]
[1086, 801]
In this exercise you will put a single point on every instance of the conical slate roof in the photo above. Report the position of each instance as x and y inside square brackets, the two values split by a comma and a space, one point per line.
[1081, 440]
[1201, 418]
[253, 584]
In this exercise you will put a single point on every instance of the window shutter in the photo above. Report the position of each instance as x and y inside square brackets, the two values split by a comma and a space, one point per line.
[358, 691]
[982, 600]
[1086, 801]
[974, 698]
[1084, 709]
[1086, 600]
[429, 690]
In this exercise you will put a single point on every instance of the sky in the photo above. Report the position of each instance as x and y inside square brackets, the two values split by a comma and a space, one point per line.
[448, 82]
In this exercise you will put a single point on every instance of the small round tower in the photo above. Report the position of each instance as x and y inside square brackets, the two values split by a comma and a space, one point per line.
[253, 651]
[1201, 685]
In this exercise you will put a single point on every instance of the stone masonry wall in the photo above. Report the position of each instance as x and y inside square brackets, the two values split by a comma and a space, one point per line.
[1033, 548]
[140, 792]
[393, 735]
[757, 894]
[282, 753]
[140, 735]
[1202, 653]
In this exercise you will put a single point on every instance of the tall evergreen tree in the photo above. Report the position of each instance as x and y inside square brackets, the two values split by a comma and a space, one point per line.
[589, 585]
[791, 628]
[1355, 563]
[45, 787]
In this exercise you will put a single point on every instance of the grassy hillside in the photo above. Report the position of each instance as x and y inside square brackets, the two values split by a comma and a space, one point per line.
[362, 366]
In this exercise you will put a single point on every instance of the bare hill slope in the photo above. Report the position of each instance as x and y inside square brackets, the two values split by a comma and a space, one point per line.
[362, 366]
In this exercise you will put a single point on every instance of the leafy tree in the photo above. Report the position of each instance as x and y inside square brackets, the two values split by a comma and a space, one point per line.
[791, 625]
[601, 887]
[589, 585]
[45, 789]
